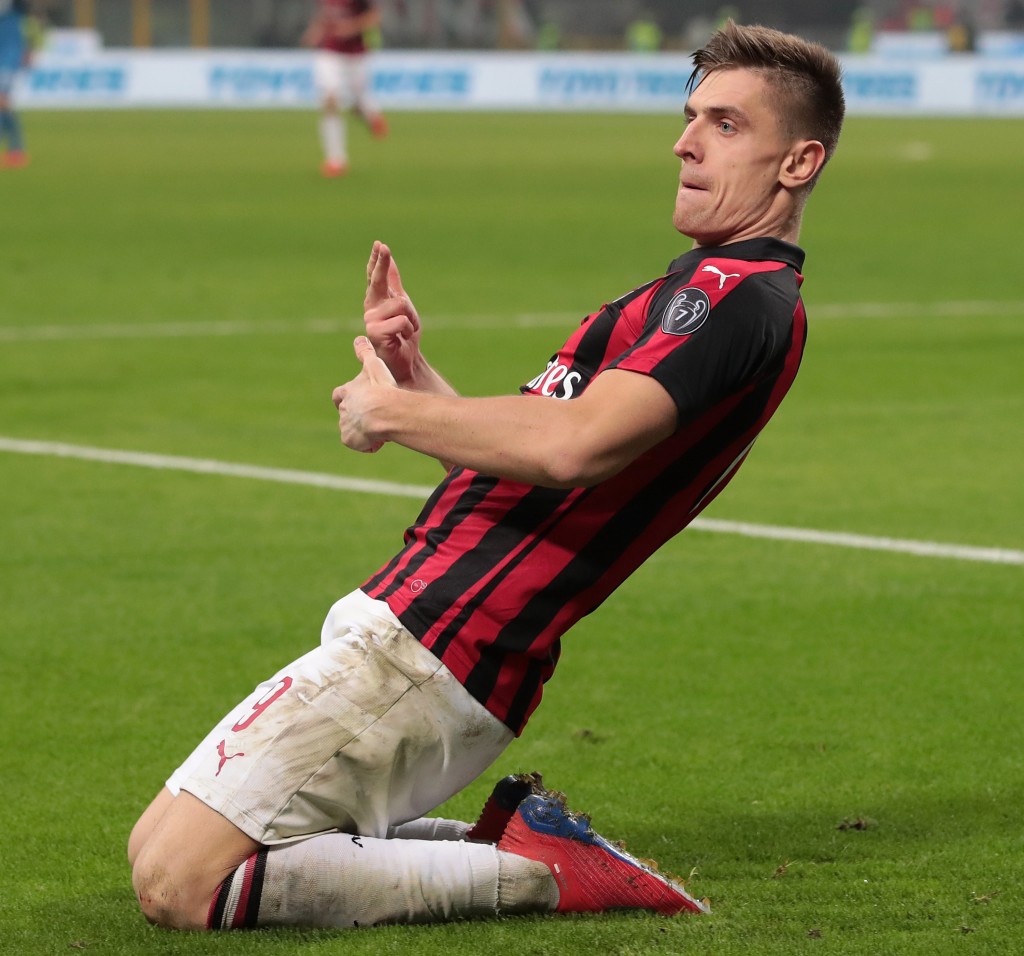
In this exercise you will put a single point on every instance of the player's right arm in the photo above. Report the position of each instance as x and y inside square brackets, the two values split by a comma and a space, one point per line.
[393, 326]
[525, 438]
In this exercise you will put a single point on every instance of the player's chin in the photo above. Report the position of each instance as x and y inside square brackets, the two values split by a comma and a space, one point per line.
[689, 221]
[680, 214]
[682, 223]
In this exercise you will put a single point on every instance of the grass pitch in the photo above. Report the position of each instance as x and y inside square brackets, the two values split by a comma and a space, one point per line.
[827, 741]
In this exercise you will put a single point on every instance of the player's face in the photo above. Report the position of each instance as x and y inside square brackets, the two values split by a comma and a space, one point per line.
[732, 151]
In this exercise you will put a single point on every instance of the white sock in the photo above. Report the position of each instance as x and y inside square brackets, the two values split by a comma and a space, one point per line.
[332, 137]
[339, 880]
[430, 828]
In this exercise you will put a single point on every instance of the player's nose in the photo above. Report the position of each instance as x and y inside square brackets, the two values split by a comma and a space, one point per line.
[686, 146]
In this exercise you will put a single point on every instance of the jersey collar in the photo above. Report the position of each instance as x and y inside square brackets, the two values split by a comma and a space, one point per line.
[749, 250]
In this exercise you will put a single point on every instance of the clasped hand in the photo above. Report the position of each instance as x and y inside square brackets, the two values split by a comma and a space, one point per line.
[360, 401]
[389, 353]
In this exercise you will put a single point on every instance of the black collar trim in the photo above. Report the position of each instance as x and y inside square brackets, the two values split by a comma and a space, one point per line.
[750, 250]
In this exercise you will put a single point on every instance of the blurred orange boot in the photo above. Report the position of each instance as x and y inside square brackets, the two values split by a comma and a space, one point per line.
[332, 169]
[14, 159]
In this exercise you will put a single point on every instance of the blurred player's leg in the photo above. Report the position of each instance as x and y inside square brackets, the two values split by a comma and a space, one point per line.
[330, 82]
[357, 81]
[332, 142]
[12, 144]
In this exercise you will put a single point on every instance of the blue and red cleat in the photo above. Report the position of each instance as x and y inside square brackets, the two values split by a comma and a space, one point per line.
[592, 873]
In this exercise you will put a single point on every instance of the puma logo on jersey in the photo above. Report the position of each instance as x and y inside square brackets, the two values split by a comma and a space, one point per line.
[722, 276]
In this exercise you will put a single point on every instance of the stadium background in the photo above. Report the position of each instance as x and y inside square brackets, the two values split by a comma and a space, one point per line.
[590, 24]
[900, 58]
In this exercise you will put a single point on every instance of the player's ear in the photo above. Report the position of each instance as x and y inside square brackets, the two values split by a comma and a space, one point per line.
[802, 163]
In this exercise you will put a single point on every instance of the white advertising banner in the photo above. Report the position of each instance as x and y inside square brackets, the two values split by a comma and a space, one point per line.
[954, 86]
[951, 86]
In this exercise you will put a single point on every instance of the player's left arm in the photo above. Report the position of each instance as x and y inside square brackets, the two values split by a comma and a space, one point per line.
[527, 438]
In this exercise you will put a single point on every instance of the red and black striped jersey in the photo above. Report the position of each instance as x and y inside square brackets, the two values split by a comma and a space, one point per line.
[330, 12]
[494, 572]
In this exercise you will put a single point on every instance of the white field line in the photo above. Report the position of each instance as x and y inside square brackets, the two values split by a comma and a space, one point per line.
[928, 549]
[236, 327]
[233, 327]
[206, 466]
[925, 549]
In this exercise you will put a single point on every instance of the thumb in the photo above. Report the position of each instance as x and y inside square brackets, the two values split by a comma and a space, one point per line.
[364, 349]
[373, 365]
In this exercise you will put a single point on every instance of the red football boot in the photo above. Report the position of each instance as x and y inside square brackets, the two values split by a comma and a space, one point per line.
[592, 873]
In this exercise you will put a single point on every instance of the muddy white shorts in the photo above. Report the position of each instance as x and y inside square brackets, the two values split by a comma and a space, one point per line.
[367, 731]
[343, 76]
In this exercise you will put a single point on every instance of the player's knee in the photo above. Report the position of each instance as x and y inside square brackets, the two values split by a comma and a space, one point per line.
[165, 899]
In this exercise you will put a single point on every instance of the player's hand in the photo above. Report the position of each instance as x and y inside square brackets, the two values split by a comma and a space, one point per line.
[357, 401]
[391, 321]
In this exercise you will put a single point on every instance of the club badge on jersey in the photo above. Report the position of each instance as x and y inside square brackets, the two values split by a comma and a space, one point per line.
[686, 313]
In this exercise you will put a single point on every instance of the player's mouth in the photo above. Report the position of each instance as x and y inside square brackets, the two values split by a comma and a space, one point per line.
[693, 184]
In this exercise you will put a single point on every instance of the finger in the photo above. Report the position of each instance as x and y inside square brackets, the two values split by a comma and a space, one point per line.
[364, 349]
[395, 278]
[372, 261]
[378, 275]
[390, 326]
[375, 251]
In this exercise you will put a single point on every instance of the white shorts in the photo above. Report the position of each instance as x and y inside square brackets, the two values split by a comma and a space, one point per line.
[367, 731]
[343, 76]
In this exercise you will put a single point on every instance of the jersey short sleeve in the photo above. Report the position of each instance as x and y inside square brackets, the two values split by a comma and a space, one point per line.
[715, 331]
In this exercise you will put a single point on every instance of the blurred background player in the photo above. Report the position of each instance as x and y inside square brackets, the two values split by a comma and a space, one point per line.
[15, 53]
[339, 30]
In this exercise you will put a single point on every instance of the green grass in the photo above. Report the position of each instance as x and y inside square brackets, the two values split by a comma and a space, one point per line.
[830, 738]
